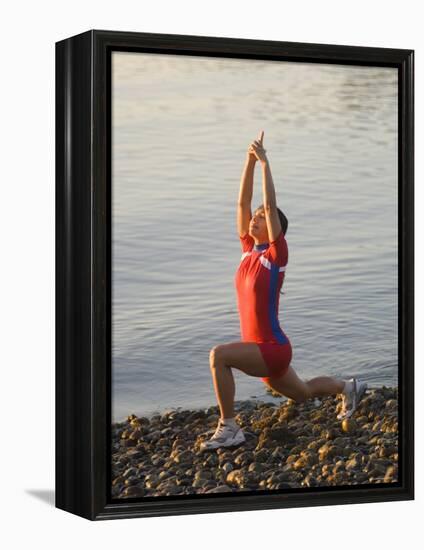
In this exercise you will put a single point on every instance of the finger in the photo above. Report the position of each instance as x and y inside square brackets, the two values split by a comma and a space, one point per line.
[261, 136]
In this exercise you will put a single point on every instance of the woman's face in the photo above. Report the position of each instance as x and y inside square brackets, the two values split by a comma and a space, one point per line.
[257, 226]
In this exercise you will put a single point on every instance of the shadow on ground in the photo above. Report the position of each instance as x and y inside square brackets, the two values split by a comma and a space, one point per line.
[46, 495]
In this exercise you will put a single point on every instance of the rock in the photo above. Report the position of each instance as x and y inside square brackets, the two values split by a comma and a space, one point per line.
[282, 485]
[278, 452]
[220, 489]
[352, 464]
[129, 442]
[256, 467]
[233, 478]
[282, 435]
[183, 457]
[211, 460]
[316, 429]
[349, 425]
[329, 434]
[118, 480]
[203, 474]
[314, 445]
[227, 467]
[213, 420]
[391, 474]
[377, 426]
[360, 477]
[300, 464]
[386, 451]
[339, 466]
[310, 481]
[244, 458]
[130, 472]
[198, 482]
[133, 492]
[151, 481]
[261, 455]
[326, 452]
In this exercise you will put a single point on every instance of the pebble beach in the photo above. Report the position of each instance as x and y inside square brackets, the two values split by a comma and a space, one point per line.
[288, 446]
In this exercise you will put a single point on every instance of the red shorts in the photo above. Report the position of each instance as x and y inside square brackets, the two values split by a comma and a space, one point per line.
[277, 357]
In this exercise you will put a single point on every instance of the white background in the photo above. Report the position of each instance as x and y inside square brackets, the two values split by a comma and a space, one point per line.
[27, 109]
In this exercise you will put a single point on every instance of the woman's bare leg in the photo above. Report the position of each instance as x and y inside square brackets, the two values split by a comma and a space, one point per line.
[245, 356]
[322, 386]
[297, 389]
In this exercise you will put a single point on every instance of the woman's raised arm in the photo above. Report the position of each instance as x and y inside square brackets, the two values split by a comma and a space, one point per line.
[244, 212]
[273, 223]
[269, 198]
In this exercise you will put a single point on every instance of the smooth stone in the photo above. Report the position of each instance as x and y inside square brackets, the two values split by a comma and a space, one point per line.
[130, 472]
[256, 468]
[129, 442]
[349, 425]
[118, 480]
[211, 460]
[361, 477]
[352, 464]
[261, 455]
[391, 473]
[199, 482]
[310, 481]
[339, 466]
[234, 477]
[133, 491]
[185, 456]
[220, 489]
[203, 474]
[325, 452]
[227, 467]
[300, 464]
[244, 458]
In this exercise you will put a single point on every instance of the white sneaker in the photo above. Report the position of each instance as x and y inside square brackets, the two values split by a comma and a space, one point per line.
[351, 399]
[224, 436]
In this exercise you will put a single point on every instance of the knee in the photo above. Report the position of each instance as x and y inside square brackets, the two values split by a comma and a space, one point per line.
[216, 356]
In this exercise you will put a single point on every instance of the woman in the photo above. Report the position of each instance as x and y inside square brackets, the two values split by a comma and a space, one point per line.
[265, 351]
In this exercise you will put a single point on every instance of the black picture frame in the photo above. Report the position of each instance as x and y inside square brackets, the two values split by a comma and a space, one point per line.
[83, 271]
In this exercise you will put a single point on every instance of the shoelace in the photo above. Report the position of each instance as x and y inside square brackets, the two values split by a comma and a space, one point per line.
[220, 429]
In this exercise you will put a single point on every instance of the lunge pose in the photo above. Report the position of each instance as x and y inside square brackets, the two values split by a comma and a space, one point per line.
[264, 351]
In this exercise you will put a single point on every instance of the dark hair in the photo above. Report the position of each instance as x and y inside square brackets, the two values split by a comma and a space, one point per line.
[283, 220]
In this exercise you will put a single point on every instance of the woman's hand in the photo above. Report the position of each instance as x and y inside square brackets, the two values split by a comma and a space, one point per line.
[256, 148]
